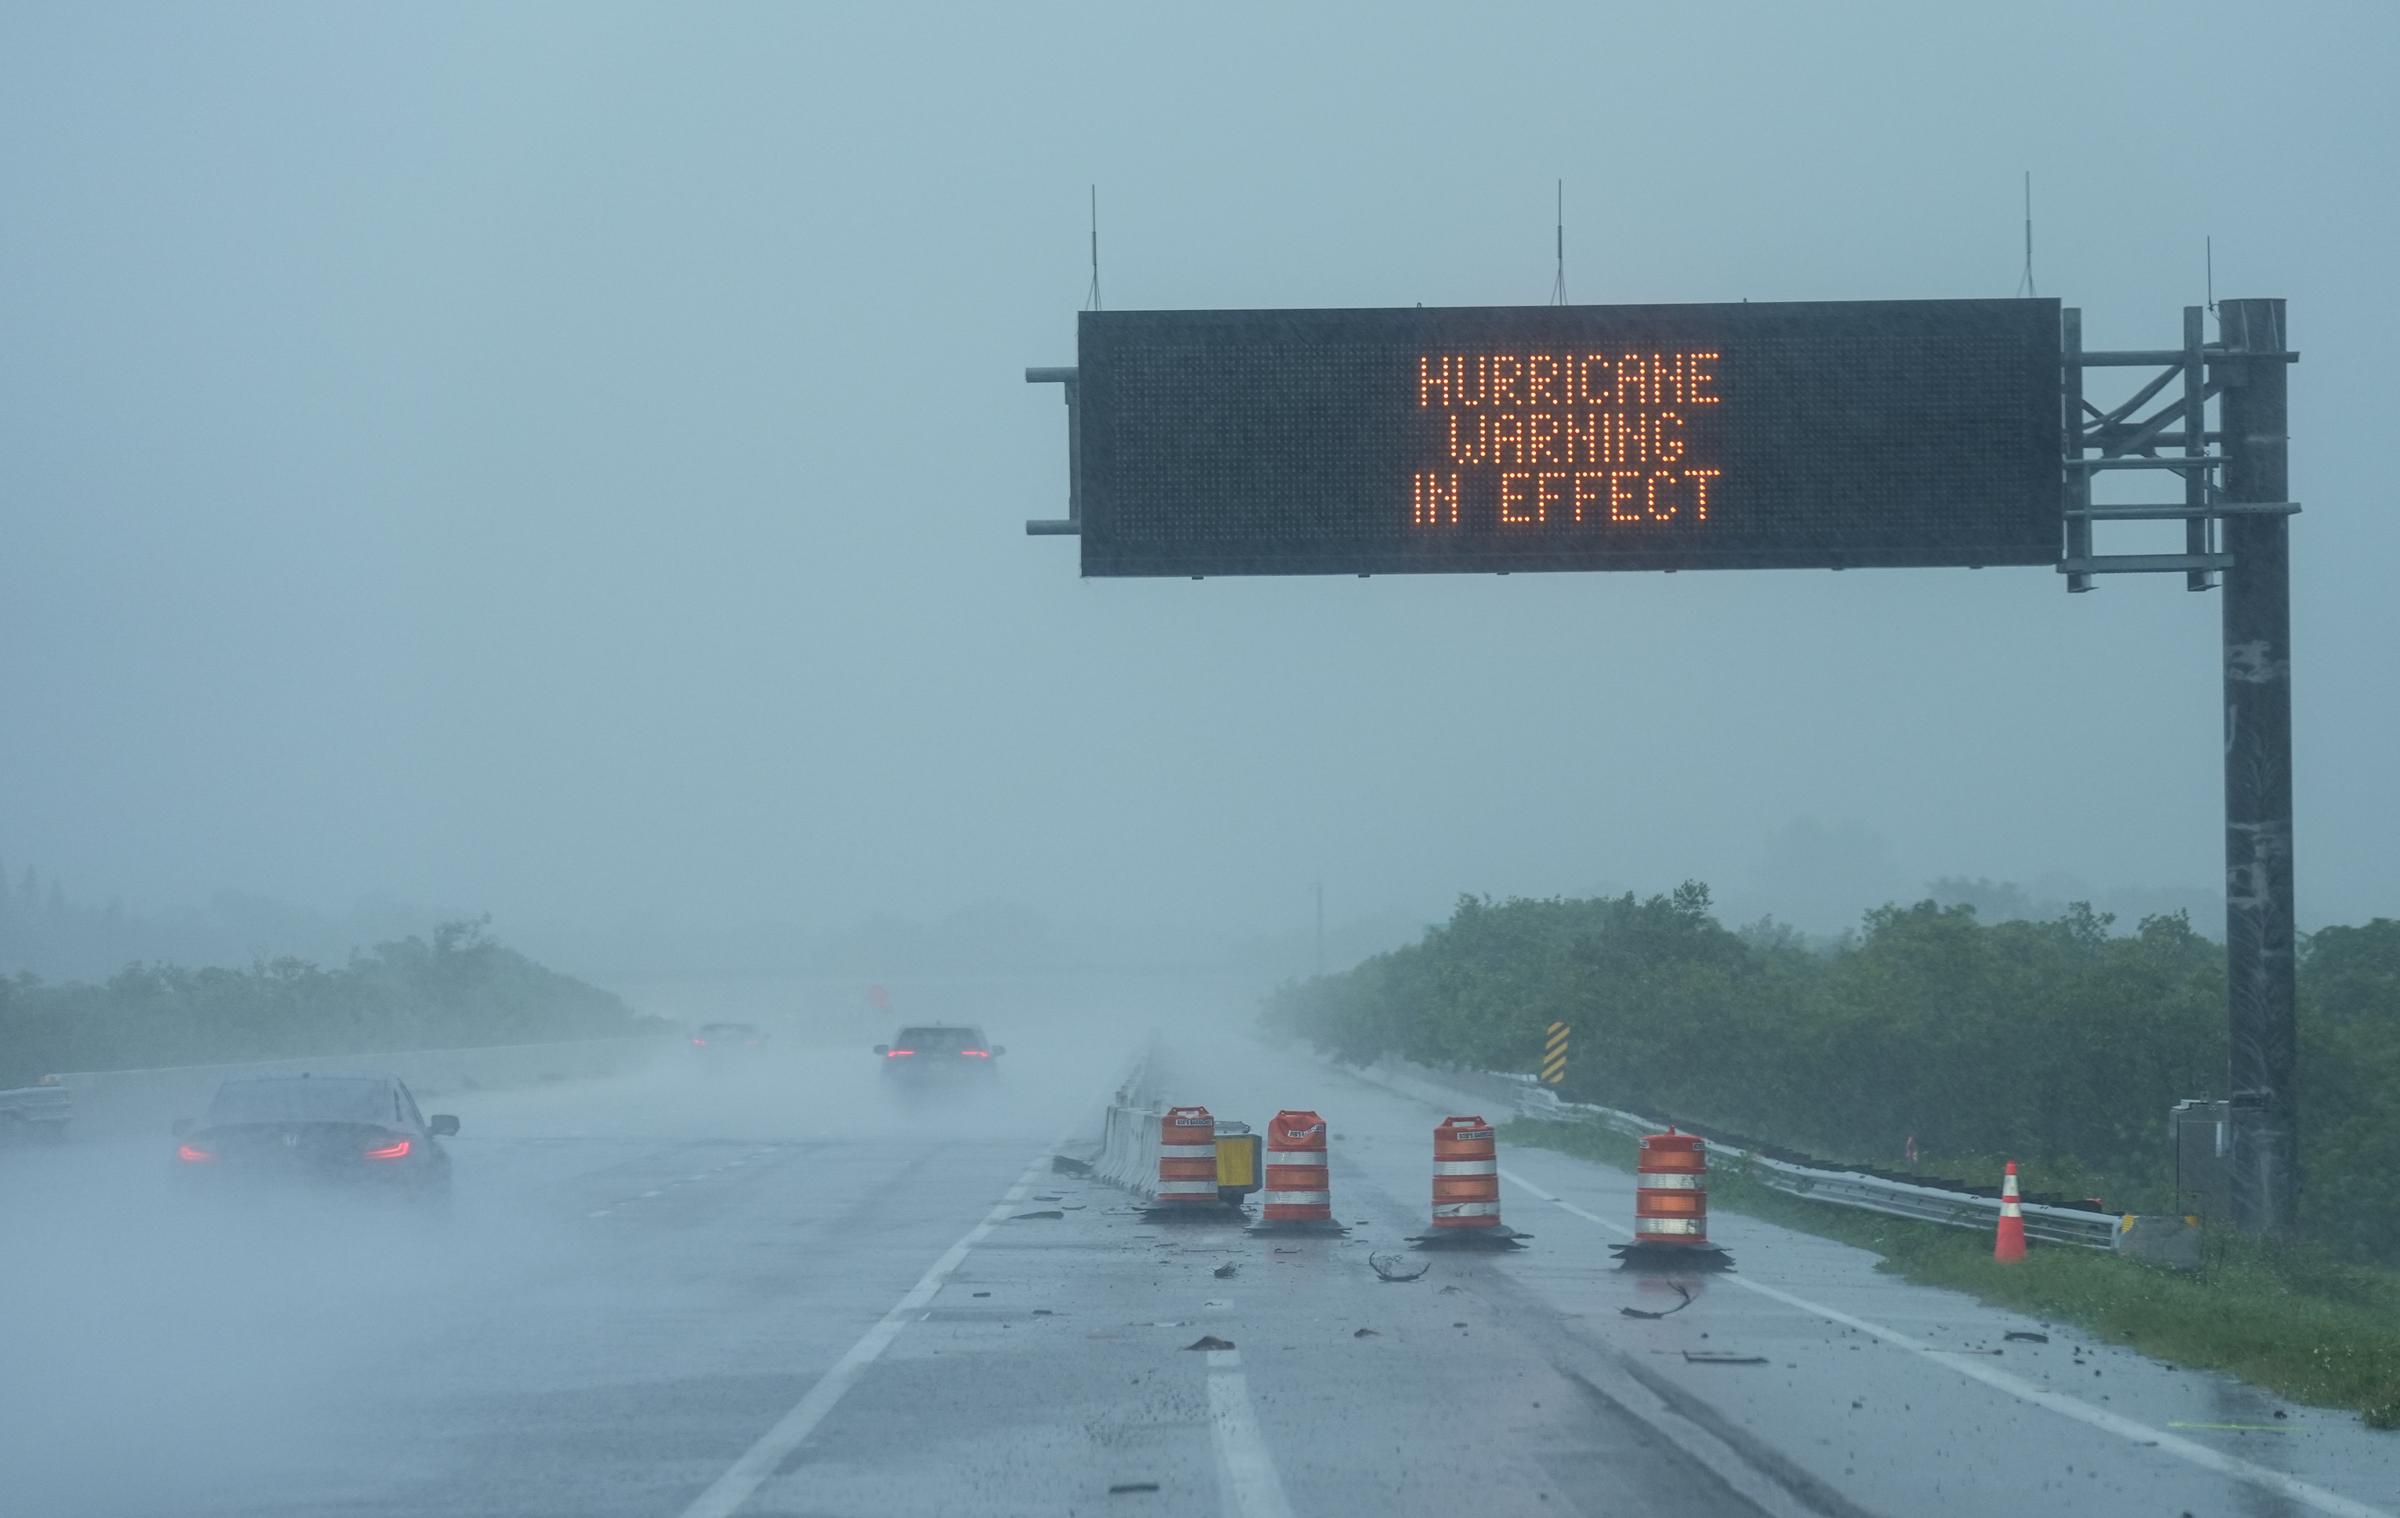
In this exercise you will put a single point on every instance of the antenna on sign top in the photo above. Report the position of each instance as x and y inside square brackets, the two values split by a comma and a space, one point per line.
[1558, 286]
[2208, 250]
[2025, 285]
[1091, 297]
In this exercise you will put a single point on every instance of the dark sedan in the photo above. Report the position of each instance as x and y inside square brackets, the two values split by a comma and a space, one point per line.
[729, 1040]
[356, 1131]
[933, 1055]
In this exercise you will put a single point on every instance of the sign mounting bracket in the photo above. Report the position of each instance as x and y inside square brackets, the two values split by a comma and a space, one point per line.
[1070, 525]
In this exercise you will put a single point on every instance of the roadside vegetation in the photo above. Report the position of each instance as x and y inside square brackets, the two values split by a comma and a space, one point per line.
[457, 989]
[2292, 1318]
[2060, 1043]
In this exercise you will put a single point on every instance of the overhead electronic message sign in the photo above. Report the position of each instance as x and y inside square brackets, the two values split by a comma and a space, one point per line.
[1788, 436]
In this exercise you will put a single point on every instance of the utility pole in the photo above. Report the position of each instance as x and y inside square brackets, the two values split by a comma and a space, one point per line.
[2259, 919]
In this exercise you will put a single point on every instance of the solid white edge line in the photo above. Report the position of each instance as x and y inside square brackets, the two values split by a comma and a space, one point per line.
[1247, 1486]
[2025, 1391]
[746, 1475]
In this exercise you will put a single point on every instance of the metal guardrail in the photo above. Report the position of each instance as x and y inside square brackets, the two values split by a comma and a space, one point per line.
[1843, 1188]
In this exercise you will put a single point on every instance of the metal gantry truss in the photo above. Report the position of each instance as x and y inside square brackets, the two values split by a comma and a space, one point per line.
[2174, 438]
[2236, 515]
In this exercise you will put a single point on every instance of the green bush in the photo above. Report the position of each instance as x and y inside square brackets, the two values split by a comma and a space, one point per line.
[458, 989]
[2059, 1043]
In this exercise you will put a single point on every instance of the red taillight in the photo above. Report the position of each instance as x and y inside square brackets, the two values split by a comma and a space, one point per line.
[193, 1154]
[699, 1043]
[897, 1053]
[395, 1150]
[976, 1053]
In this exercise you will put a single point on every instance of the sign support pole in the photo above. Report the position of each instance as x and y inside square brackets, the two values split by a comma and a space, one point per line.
[2259, 921]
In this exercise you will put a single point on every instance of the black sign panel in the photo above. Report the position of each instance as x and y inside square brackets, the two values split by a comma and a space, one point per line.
[1788, 436]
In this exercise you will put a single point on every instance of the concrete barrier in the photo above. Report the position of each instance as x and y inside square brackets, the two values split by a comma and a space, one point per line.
[129, 1101]
[1128, 1156]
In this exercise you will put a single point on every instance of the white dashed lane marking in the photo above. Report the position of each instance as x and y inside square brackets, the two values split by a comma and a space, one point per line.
[1247, 1486]
[759, 1462]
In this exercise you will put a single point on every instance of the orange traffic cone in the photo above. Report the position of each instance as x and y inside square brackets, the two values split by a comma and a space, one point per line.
[2008, 1245]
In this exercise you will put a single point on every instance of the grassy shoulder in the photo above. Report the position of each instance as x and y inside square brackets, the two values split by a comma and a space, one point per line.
[2288, 1318]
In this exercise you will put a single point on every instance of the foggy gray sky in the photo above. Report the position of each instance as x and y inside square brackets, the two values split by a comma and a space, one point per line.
[570, 460]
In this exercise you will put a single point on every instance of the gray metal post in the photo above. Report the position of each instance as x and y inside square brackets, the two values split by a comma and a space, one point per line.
[2079, 481]
[2197, 537]
[2259, 929]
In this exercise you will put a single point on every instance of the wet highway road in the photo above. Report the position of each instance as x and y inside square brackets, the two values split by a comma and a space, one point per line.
[774, 1291]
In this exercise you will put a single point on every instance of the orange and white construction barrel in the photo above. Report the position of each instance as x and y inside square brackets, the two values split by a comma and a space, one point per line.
[1187, 1159]
[1298, 1190]
[1466, 1175]
[1670, 1199]
[1670, 1204]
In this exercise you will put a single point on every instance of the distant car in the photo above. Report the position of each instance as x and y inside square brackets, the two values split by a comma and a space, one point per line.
[728, 1038]
[939, 1052]
[42, 1109]
[356, 1131]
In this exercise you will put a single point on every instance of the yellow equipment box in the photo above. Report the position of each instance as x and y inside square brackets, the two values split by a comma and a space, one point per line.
[1238, 1171]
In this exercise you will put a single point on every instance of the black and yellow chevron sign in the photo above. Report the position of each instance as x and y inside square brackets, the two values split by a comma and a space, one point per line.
[1554, 1056]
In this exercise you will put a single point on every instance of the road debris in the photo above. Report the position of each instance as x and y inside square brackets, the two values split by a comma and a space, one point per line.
[1369, 1333]
[1067, 1164]
[1636, 1312]
[1209, 1341]
[2026, 1336]
[983, 1293]
[1376, 1263]
[1046, 1212]
[1707, 1357]
[1223, 1272]
[1133, 1486]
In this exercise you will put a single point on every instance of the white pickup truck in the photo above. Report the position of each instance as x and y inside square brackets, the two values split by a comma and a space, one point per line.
[40, 1110]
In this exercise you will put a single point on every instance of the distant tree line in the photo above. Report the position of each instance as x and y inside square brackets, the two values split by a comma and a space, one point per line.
[2057, 1042]
[47, 930]
[457, 988]
[39, 926]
